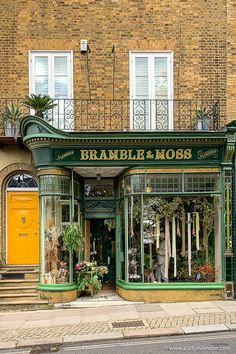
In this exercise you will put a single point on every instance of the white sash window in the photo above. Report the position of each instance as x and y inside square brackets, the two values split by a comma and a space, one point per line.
[51, 74]
[151, 90]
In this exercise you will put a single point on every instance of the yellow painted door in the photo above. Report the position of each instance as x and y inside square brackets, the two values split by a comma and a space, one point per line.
[22, 228]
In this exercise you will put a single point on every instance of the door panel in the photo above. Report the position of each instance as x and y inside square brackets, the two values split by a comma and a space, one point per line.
[22, 228]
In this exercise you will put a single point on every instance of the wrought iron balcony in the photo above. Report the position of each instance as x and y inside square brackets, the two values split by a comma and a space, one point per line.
[130, 114]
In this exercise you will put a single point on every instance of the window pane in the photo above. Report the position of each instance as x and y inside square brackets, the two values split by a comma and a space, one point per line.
[141, 77]
[61, 87]
[41, 66]
[134, 240]
[160, 66]
[201, 183]
[41, 85]
[60, 66]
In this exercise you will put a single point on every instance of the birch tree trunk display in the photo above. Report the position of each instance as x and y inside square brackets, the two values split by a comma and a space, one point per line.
[174, 245]
[158, 231]
[183, 237]
[167, 247]
[197, 231]
[189, 245]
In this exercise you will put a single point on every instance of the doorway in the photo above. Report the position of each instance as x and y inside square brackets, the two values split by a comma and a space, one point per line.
[102, 248]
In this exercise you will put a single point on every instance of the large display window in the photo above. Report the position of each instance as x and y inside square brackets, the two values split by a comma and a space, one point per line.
[59, 207]
[172, 227]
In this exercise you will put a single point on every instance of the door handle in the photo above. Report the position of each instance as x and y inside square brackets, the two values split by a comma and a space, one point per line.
[23, 234]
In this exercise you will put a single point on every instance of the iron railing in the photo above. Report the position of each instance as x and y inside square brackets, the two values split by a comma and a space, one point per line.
[129, 114]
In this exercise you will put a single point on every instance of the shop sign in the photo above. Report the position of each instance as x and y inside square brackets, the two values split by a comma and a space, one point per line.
[136, 154]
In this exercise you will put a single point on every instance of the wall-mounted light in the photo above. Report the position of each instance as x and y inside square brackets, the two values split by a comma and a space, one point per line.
[98, 176]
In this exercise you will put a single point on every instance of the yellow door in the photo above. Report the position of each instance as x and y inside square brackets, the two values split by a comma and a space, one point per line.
[22, 228]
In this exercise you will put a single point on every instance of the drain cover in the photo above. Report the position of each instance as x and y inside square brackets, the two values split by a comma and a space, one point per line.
[128, 324]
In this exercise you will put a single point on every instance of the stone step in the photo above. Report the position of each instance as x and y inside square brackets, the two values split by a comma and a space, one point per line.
[18, 297]
[18, 290]
[25, 305]
[18, 282]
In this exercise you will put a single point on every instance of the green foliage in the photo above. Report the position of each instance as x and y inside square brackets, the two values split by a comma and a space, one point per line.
[39, 103]
[12, 114]
[92, 281]
[73, 237]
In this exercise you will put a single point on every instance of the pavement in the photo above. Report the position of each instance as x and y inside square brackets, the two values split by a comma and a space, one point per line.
[108, 317]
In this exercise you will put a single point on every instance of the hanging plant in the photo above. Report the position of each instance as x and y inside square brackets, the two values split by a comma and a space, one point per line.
[73, 237]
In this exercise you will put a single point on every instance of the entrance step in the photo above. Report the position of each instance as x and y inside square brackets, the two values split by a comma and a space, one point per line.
[18, 287]
[14, 296]
[18, 283]
[17, 290]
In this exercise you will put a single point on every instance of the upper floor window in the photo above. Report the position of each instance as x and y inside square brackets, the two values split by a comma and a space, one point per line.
[51, 74]
[151, 87]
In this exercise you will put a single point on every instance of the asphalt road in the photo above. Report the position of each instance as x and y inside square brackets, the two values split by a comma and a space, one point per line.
[204, 343]
[219, 342]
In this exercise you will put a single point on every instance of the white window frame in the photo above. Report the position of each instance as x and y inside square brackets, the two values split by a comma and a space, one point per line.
[151, 55]
[50, 55]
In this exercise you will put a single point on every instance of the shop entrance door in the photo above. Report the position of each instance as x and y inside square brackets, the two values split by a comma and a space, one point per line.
[102, 248]
[22, 228]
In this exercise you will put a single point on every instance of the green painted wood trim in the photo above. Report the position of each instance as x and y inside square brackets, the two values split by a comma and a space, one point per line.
[57, 287]
[169, 286]
[52, 133]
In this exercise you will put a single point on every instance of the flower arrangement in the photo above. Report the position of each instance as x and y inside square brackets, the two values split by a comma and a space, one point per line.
[86, 280]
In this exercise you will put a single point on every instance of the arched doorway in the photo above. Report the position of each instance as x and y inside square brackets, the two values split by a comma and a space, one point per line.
[22, 220]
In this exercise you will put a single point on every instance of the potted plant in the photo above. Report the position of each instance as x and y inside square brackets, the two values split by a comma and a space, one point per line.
[39, 103]
[202, 119]
[11, 119]
[73, 237]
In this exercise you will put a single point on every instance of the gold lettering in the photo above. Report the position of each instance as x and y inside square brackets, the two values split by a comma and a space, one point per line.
[130, 155]
[84, 154]
[123, 154]
[93, 155]
[179, 154]
[113, 154]
[160, 154]
[103, 155]
[170, 154]
[187, 154]
[140, 154]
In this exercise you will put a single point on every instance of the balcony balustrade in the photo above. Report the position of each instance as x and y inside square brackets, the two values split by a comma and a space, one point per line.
[103, 115]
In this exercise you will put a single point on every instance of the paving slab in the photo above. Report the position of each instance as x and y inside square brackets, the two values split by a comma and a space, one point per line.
[158, 314]
[34, 342]
[208, 310]
[148, 308]
[37, 323]
[232, 326]
[8, 345]
[93, 337]
[202, 304]
[180, 312]
[205, 328]
[145, 332]
[229, 309]
[12, 324]
[66, 320]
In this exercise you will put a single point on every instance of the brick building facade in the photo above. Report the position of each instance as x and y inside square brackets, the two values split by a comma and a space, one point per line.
[196, 40]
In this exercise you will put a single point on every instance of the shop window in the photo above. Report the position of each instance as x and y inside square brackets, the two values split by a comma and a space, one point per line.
[179, 239]
[164, 183]
[134, 240]
[54, 184]
[102, 188]
[201, 182]
[135, 184]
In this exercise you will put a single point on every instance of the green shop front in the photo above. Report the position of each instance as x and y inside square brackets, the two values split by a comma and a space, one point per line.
[155, 208]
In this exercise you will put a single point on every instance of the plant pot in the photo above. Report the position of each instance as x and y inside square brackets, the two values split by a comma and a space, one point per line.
[10, 129]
